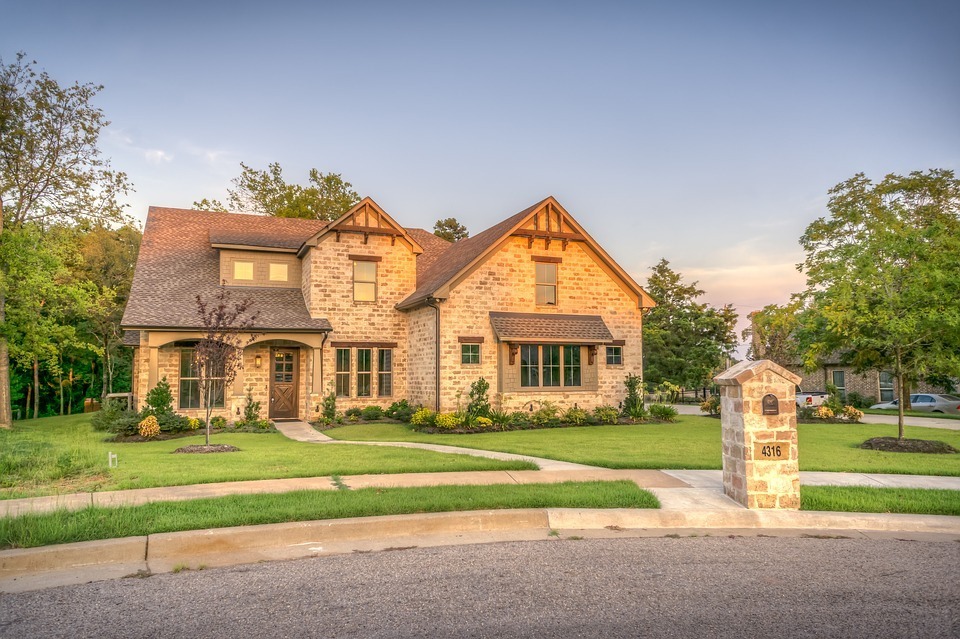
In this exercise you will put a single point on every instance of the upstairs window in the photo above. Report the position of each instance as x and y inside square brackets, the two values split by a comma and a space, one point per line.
[546, 284]
[243, 270]
[364, 281]
[278, 272]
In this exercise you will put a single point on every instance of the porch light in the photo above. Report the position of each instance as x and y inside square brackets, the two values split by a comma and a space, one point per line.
[257, 361]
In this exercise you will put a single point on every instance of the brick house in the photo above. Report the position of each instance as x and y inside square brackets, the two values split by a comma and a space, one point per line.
[375, 312]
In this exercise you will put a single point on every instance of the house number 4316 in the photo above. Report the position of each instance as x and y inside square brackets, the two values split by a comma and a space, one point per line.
[771, 452]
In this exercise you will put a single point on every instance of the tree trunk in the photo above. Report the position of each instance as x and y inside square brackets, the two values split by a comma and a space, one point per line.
[60, 384]
[6, 411]
[901, 405]
[105, 376]
[36, 387]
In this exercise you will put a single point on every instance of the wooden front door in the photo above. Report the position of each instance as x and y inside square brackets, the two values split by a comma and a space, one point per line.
[283, 383]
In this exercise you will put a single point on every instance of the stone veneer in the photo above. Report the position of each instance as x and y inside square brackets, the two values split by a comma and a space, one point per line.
[748, 478]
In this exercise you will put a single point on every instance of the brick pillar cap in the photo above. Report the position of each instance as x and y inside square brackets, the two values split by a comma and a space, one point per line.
[737, 374]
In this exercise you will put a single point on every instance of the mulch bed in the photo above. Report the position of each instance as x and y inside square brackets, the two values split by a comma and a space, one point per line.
[894, 445]
[212, 448]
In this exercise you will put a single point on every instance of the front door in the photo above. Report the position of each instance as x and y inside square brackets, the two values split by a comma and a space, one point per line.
[283, 383]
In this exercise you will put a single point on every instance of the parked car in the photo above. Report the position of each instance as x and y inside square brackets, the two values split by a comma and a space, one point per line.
[812, 398]
[927, 402]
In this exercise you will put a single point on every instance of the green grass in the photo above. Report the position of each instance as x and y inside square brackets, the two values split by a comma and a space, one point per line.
[64, 454]
[861, 499]
[243, 510]
[691, 443]
[909, 413]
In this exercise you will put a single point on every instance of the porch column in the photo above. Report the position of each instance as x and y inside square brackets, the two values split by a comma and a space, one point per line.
[317, 387]
[154, 367]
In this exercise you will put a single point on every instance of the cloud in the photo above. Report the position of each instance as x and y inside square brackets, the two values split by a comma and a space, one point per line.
[157, 156]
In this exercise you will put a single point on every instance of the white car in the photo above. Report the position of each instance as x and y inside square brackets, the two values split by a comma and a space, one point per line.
[927, 402]
[813, 398]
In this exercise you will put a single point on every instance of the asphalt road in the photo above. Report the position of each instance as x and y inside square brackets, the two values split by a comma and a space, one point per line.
[661, 587]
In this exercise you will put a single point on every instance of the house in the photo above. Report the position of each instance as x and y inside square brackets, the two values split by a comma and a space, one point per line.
[374, 312]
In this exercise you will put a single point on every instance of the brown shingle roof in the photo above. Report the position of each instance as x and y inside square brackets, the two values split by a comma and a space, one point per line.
[433, 248]
[459, 256]
[177, 263]
[131, 338]
[256, 237]
[547, 327]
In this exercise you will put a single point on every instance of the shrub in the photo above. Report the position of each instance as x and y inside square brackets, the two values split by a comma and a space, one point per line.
[159, 400]
[575, 416]
[852, 414]
[371, 413]
[663, 412]
[193, 423]
[251, 409]
[484, 422]
[352, 412]
[446, 420]
[330, 406]
[634, 399]
[479, 405]
[856, 400]
[149, 427]
[172, 422]
[711, 405]
[499, 417]
[606, 415]
[519, 418]
[548, 414]
[637, 412]
[106, 418]
[423, 417]
[400, 410]
[823, 412]
[218, 421]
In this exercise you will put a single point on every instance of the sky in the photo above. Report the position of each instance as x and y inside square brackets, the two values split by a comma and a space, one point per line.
[707, 133]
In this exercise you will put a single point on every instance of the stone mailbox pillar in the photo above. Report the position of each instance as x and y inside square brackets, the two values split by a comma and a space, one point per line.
[758, 413]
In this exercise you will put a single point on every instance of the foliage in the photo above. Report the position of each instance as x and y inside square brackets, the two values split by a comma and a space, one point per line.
[400, 410]
[663, 412]
[499, 417]
[446, 420]
[772, 333]
[575, 416]
[711, 405]
[159, 399]
[193, 423]
[634, 399]
[450, 229]
[218, 421]
[330, 406]
[823, 412]
[371, 413]
[149, 427]
[227, 330]
[852, 414]
[479, 405]
[547, 415]
[423, 417]
[110, 412]
[606, 415]
[637, 412]
[859, 401]
[484, 422]
[353, 411]
[251, 415]
[685, 342]
[265, 192]
[519, 418]
[881, 277]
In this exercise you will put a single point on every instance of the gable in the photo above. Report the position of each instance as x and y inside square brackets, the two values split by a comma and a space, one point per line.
[365, 219]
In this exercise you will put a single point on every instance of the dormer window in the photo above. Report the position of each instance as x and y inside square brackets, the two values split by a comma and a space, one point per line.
[242, 270]
[278, 272]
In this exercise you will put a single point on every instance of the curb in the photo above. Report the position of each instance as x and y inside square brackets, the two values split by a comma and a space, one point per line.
[48, 566]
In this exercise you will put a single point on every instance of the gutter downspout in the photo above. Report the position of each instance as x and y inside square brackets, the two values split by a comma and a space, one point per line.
[432, 303]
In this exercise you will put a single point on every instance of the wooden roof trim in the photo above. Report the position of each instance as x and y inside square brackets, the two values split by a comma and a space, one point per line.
[252, 248]
[340, 225]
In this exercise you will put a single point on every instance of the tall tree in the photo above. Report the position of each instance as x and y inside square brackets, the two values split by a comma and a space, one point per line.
[450, 229]
[684, 342]
[227, 330]
[882, 275]
[265, 192]
[51, 168]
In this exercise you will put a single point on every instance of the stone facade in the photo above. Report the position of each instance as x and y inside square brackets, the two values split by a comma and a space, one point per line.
[760, 453]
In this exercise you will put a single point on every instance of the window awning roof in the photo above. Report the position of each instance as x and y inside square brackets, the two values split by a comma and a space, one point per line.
[550, 328]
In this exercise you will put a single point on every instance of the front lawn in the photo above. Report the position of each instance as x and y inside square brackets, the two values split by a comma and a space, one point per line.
[691, 443]
[909, 413]
[56, 455]
[245, 510]
[862, 499]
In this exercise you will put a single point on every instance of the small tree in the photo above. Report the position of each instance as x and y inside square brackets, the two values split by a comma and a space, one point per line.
[450, 229]
[227, 330]
[479, 405]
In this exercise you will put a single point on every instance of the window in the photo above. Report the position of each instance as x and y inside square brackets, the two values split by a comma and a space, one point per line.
[343, 372]
[385, 372]
[839, 380]
[546, 365]
[190, 382]
[278, 272]
[469, 353]
[886, 387]
[363, 372]
[614, 355]
[546, 284]
[364, 281]
[243, 270]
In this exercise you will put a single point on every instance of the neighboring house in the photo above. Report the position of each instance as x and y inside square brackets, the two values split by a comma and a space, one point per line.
[374, 312]
[881, 386]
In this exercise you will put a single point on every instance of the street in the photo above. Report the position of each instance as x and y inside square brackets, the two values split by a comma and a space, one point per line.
[658, 587]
